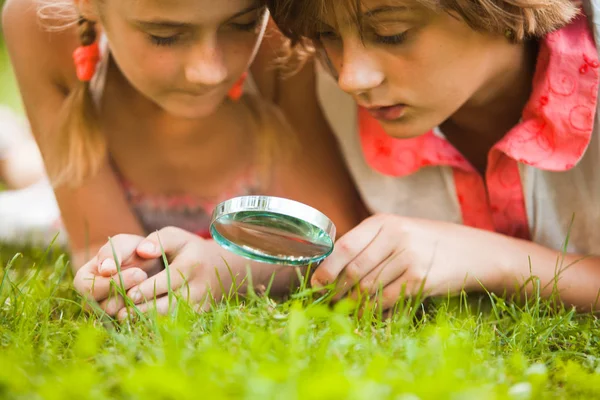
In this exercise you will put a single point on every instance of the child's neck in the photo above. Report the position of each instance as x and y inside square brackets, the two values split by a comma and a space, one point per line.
[483, 121]
[162, 153]
[167, 127]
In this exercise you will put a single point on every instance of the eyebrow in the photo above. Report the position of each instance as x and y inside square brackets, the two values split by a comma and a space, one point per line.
[158, 23]
[384, 9]
[369, 14]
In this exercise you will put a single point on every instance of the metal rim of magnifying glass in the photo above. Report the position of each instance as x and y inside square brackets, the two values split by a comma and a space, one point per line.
[273, 205]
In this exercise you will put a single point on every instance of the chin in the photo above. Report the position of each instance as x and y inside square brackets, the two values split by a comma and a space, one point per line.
[189, 110]
[404, 129]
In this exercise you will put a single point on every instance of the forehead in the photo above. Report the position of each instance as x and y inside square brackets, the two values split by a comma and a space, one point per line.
[304, 18]
[190, 11]
[353, 10]
[340, 14]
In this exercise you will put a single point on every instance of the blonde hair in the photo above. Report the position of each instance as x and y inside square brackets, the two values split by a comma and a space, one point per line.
[273, 131]
[518, 19]
[75, 149]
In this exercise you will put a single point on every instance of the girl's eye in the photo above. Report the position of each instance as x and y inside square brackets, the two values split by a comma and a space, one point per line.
[246, 27]
[250, 21]
[163, 41]
[326, 35]
[391, 40]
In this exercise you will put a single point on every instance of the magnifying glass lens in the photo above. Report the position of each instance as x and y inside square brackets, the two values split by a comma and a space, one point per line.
[268, 234]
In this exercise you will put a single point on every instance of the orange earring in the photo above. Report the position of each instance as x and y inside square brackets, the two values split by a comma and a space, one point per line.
[236, 92]
[87, 55]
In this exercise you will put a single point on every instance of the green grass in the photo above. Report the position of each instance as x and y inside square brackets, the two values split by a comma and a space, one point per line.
[302, 348]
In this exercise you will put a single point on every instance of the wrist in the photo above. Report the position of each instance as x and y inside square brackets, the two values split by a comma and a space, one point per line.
[518, 263]
[499, 262]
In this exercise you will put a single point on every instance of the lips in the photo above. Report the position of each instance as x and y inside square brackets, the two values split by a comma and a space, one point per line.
[201, 94]
[387, 113]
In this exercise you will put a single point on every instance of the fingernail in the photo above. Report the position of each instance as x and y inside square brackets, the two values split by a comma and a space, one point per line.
[108, 265]
[136, 296]
[147, 247]
[139, 276]
[317, 284]
[123, 315]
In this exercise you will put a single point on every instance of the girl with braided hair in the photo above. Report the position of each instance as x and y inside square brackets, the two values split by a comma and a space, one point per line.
[148, 113]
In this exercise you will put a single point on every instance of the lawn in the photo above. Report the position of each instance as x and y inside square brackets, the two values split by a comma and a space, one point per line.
[303, 348]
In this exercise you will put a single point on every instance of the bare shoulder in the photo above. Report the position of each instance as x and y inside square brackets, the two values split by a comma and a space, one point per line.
[42, 61]
[38, 46]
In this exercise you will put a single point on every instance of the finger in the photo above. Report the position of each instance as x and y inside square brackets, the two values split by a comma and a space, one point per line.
[374, 256]
[197, 297]
[123, 247]
[115, 303]
[399, 289]
[171, 278]
[183, 251]
[93, 286]
[159, 304]
[90, 267]
[112, 305]
[107, 267]
[147, 249]
[387, 272]
[169, 240]
[346, 250]
[115, 300]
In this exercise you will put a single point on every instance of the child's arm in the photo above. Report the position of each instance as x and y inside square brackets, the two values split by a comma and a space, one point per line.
[577, 278]
[390, 252]
[93, 212]
[43, 65]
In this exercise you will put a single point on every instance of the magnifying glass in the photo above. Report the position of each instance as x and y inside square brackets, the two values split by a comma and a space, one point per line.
[273, 230]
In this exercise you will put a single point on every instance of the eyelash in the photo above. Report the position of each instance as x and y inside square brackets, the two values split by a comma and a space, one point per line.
[246, 27]
[164, 41]
[319, 36]
[392, 40]
[171, 40]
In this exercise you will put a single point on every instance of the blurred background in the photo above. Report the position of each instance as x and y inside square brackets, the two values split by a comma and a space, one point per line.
[9, 95]
[28, 210]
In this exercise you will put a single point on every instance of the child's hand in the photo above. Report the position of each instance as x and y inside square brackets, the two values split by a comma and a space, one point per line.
[390, 252]
[132, 251]
[191, 274]
[96, 279]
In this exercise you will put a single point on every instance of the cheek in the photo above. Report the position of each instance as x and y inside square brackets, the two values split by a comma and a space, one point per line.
[454, 61]
[333, 51]
[161, 68]
[148, 67]
[457, 76]
[435, 75]
[237, 51]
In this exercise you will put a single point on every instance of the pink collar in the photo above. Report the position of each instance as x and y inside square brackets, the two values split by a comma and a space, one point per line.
[556, 125]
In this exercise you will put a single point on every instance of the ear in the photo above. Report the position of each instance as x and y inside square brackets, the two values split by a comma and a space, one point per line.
[87, 9]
